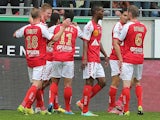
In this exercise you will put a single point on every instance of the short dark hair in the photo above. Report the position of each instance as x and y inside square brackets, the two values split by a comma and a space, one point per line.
[54, 19]
[95, 8]
[69, 14]
[123, 10]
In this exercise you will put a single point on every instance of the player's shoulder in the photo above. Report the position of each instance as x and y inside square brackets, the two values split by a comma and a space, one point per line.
[52, 27]
[89, 23]
[128, 24]
[118, 24]
[40, 25]
[89, 26]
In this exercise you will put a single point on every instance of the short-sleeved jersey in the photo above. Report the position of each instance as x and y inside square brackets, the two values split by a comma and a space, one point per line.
[115, 33]
[92, 32]
[133, 34]
[35, 43]
[64, 48]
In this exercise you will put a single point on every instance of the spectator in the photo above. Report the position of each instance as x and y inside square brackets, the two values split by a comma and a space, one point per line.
[154, 5]
[27, 3]
[82, 4]
[144, 5]
[86, 5]
[119, 5]
[79, 4]
[106, 4]
[116, 5]
[13, 3]
[61, 3]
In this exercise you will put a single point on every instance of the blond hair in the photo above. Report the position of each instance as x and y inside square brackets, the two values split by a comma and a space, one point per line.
[35, 13]
[46, 6]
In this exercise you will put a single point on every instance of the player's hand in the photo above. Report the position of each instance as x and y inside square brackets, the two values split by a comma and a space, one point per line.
[66, 22]
[106, 61]
[84, 63]
[74, 23]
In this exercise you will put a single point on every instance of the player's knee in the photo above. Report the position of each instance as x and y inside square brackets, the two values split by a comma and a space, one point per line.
[102, 83]
[89, 82]
[115, 84]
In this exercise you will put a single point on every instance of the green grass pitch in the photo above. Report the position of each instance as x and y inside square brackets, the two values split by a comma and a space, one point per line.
[14, 115]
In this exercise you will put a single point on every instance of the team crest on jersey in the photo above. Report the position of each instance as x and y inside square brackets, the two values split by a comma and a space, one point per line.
[95, 33]
[95, 43]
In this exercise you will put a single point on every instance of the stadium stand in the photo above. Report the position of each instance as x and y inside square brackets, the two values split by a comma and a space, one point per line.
[83, 6]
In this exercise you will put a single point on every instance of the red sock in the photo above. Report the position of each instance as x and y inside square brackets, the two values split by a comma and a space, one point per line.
[40, 98]
[126, 98]
[56, 105]
[67, 97]
[95, 90]
[112, 96]
[86, 96]
[30, 96]
[52, 92]
[138, 91]
[121, 96]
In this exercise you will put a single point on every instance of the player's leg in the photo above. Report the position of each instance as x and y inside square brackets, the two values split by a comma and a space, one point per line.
[40, 93]
[53, 90]
[115, 72]
[36, 75]
[68, 74]
[126, 75]
[138, 88]
[100, 77]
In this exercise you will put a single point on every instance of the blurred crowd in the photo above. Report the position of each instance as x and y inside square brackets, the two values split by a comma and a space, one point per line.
[82, 4]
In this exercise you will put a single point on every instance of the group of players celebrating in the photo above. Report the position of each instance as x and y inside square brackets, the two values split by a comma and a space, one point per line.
[50, 53]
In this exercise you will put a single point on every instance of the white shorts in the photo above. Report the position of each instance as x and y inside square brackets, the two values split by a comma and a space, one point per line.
[36, 73]
[48, 71]
[114, 67]
[94, 70]
[131, 70]
[63, 69]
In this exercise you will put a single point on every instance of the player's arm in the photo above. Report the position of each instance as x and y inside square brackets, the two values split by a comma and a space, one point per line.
[51, 36]
[19, 33]
[87, 32]
[116, 46]
[85, 49]
[116, 43]
[65, 24]
[104, 54]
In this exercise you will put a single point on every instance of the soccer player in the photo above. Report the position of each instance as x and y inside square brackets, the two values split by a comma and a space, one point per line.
[92, 68]
[54, 21]
[132, 35]
[46, 12]
[115, 61]
[63, 62]
[35, 44]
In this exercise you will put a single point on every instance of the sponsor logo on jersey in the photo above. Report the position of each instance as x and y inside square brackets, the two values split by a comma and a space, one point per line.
[95, 43]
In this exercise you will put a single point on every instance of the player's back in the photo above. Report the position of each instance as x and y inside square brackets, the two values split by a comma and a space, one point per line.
[35, 45]
[133, 43]
[64, 48]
